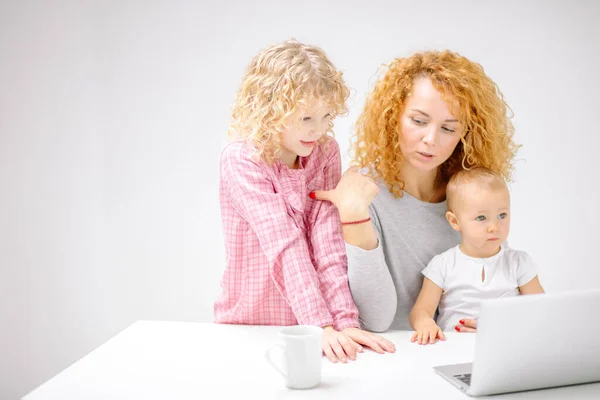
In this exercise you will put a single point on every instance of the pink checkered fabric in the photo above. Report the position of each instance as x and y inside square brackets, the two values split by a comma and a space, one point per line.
[285, 255]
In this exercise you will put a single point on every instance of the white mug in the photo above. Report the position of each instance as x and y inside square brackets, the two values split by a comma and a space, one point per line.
[303, 352]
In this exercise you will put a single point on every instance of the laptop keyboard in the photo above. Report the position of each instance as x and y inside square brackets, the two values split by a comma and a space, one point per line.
[465, 378]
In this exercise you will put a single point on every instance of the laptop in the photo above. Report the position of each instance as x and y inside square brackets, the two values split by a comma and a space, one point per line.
[532, 342]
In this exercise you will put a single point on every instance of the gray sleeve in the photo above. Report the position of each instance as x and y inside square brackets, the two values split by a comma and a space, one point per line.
[371, 285]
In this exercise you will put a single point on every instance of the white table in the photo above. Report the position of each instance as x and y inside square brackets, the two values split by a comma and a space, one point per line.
[184, 360]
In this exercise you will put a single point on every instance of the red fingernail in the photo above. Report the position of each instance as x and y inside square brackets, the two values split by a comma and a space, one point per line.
[462, 321]
[312, 195]
[457, 328]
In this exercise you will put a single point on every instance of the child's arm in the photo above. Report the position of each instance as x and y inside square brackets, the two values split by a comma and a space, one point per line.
[329, 251]
[329, 255]
[252, 195]
[421, 315]
[532, 287]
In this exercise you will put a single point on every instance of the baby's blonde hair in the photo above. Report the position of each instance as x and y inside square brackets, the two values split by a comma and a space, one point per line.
[483, 177]
[480, 107]
[279, 80]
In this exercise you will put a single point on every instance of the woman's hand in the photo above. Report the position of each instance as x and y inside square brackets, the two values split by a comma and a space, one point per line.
[343, 346]
[373, 341]
[467, 325]
[351, 196]
[339, 347]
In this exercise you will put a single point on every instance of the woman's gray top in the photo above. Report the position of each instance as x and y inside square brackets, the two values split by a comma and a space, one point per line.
[386, 281]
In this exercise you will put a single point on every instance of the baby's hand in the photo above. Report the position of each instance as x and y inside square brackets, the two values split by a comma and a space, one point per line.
[428, 334]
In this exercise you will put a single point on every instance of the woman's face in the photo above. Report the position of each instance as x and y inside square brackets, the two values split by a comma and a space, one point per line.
[429, 131]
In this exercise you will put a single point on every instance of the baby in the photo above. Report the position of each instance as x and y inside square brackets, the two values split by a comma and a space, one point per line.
[481, 267]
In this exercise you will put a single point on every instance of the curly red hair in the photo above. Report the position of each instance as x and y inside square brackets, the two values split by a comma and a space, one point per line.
[477, 102]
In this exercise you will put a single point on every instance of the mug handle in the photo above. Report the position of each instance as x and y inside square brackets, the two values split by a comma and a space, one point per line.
[270, 360]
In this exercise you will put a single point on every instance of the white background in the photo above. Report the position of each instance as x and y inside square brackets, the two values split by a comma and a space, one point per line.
[113, 115]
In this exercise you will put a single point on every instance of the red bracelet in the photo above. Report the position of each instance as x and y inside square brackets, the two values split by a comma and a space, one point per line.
[362, 221]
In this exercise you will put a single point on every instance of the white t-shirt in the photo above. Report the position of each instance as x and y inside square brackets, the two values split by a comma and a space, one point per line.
[460, 278]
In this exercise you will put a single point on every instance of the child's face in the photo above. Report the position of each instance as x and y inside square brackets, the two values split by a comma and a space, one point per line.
[483, 219]
[303, 129]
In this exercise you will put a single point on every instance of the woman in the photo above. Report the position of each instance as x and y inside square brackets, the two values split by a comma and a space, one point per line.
[429, 116]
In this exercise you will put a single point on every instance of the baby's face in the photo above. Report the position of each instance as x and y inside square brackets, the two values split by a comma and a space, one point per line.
[483, 217]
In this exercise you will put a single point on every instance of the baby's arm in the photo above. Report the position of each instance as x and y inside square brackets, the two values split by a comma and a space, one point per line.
[421, 315]
[527, 277]
[532, 287]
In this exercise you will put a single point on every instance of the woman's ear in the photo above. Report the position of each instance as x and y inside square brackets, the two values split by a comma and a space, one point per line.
[452, 220]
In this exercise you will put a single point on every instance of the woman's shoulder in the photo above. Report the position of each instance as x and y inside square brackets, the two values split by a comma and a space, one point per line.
[386, 200]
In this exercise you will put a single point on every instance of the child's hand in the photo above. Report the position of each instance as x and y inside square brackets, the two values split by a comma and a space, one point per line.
[375, 342]
[338, 346]
[428, 333]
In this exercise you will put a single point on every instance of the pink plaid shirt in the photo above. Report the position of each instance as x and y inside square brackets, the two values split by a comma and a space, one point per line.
[286, 258]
